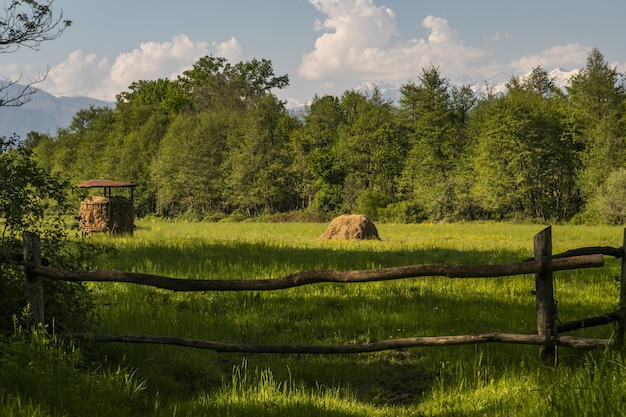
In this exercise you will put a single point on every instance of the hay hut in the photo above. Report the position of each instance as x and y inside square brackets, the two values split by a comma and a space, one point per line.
[350, 226]
[107, 213]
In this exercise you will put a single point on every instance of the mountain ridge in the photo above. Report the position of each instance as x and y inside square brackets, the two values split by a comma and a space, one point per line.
[44, 113]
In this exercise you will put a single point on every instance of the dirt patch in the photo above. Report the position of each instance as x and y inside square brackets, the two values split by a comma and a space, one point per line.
[350, 226]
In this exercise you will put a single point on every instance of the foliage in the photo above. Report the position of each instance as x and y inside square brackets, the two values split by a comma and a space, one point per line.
[434, 115]
[31, 199]
[187, 170]
[609, 204]
[524, 161]
[597, 95]
[217, 143]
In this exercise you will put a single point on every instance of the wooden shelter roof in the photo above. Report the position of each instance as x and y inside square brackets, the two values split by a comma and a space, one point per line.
[104, 183]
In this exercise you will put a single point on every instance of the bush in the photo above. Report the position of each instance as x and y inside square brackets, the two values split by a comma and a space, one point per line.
[609, 203]
[403, 212]
[32, 200]
[370, 203]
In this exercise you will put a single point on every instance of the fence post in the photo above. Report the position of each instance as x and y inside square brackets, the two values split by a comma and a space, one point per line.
[622, 298]
[34, 287]
[546, 307]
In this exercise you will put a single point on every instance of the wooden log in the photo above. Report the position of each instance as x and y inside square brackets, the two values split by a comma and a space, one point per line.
[590, 250]
[622, 298]
[546, 307]
[524, 339]
[312, 277]
[588, 322]
[34, 285]
[593, 250]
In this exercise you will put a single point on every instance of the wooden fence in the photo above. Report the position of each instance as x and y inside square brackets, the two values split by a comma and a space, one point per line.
[544, 263]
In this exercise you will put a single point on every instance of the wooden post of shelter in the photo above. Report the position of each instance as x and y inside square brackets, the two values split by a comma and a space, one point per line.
[622, 298]
[34, 285]
[546, 307]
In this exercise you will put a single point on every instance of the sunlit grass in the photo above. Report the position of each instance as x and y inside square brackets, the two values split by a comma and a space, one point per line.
[420, 381]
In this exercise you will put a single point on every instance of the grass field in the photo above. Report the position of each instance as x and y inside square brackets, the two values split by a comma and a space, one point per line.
[475, 380]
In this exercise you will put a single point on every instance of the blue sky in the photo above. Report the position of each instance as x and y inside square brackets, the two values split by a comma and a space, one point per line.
[325, 46]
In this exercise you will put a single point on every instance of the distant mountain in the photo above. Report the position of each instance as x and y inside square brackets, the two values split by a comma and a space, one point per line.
[387, 91]
[391, 92]
[44, 113]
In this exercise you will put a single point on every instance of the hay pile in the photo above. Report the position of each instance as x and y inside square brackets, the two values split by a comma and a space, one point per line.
[107, 214]
[350, 226]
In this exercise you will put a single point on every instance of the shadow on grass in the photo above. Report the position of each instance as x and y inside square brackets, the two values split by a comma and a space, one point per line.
[328, 313]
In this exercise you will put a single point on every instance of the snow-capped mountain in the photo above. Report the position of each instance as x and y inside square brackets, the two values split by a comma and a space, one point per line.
[46, 113]
[560, 77]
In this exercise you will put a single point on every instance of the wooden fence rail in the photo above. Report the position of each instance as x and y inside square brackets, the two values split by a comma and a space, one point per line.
[542, 265]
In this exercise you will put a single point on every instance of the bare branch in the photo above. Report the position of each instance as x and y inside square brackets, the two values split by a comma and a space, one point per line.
[26, 23]
[15, 94]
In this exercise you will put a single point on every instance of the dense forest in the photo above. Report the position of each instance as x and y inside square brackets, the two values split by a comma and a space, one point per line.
[216, 142]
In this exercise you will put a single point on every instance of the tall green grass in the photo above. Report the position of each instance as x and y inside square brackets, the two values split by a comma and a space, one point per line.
[475, 380]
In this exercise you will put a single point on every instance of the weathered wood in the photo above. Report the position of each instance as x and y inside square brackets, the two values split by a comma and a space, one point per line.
[312, 277]
[34, 285]
[526, 339]
[588, 322]
[592, 250]
[622, 298]
[546, 307]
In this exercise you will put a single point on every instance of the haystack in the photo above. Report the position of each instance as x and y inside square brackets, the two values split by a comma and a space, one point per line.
[107, 214]
[350, 226]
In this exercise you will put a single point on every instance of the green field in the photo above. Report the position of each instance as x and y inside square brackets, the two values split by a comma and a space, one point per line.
[474, 380]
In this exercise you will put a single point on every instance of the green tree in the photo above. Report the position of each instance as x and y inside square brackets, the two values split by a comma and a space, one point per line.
[371, 153]
[215, 83]
[597, 96]
[188, 169]
[162, 93]
[315, 162]
[258, 163]
[434, 115]
[31, 199]
[524, 160]
[608, 206]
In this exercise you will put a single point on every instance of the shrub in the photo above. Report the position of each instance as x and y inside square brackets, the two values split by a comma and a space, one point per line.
[32, 200]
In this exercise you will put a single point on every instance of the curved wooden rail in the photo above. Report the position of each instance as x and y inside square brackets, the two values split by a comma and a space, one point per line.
[312, 277]
[525, 339]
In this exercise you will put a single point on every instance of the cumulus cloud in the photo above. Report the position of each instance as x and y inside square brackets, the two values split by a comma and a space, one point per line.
[566, 56]
[230, 49]
[499, 36]
[361, 41]
[98, 77]
[18, 73]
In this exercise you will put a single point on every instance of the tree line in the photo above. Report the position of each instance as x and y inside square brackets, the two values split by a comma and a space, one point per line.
[217, 142]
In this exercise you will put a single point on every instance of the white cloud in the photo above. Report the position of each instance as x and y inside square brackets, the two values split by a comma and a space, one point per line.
[498, 37]
[96, 77]
[361, 42]
[230, 49]
[568, 56]
[19, 73]
[80, 73]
